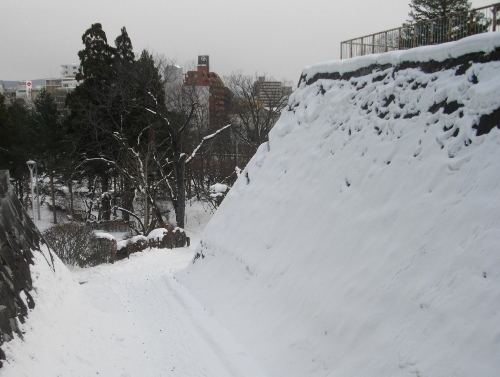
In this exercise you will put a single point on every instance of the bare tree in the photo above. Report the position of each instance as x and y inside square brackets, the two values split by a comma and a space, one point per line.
[255, 106]
[177, 114]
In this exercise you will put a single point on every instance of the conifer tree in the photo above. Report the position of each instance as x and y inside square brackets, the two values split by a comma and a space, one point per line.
[433, 9]
[50, 138]
[96, 59]
[451, 21]
[93, 105]
[123, 45]
[16, 142]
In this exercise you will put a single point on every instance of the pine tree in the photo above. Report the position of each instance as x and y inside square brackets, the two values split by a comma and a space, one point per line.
[51, 137]
[96, 59]
[451, 21]
[433, 9]
[123, 45]
[93, 119]
[16, 141]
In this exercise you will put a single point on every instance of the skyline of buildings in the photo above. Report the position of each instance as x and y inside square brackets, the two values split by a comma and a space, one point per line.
[209, 86]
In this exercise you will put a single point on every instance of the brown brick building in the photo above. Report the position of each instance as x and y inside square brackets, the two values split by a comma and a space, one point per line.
[218, 93]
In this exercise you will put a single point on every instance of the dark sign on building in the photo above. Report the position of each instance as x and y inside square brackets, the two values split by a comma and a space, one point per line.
[203, 60]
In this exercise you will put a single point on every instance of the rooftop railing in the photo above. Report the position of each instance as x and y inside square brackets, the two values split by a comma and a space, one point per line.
[424, 33]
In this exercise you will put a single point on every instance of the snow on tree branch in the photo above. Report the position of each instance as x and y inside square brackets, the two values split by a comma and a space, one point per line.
[208, 137]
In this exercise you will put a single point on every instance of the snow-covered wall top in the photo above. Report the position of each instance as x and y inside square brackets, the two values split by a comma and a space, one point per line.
[362, 240]
[485, 44]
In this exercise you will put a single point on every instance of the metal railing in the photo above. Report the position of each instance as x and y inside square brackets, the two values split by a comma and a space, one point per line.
[429, 32]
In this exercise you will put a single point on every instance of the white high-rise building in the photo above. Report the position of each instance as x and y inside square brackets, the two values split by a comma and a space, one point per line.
[69, 70]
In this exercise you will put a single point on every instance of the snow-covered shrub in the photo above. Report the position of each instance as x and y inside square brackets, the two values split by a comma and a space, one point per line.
[76, 245]
[218, 193]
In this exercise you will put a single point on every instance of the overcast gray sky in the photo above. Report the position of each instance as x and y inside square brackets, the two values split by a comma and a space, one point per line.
[273, 37]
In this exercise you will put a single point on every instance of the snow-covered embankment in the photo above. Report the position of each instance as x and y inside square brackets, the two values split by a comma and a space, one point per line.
[363, 239]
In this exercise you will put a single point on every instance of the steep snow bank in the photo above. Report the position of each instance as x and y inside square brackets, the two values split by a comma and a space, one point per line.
[362, 240]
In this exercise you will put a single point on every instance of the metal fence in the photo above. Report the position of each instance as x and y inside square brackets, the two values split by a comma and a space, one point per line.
[429, 32]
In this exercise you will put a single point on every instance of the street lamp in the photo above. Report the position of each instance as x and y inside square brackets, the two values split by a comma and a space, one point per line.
[31, 164]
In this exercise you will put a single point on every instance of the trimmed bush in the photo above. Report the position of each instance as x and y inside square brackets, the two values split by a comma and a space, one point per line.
[77, 245]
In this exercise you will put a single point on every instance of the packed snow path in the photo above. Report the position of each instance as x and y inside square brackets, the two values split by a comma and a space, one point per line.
[173, 332]
[131, 319]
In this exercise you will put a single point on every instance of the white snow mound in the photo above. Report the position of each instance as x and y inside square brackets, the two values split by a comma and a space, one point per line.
[362, 240]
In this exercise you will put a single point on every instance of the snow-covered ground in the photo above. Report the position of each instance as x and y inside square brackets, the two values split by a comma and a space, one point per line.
[362, 240]
[131, 318]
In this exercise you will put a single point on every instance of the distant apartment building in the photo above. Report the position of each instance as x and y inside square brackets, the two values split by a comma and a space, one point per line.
[69, 70]
[173, 75]
[60, 87]
[271, 93]
[210, 85]
[26, 90]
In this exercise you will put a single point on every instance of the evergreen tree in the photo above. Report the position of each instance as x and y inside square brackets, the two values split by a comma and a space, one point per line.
[109, 120]
[433, 9]
[96, 59]
[51, 143]
[444, 26]
[4, 133]
[92, 117]
[16, 142]
[124, 52]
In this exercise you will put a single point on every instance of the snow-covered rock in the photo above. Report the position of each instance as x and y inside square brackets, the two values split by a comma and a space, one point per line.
[219, 188]
[157, 233]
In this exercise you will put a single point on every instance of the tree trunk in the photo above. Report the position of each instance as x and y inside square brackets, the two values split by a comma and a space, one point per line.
[146, 199]
[146, 211]
[71, 208]
[105, 198]
[26, 200]
[92, 196]
[114, 197]
[196, 188]
[52, 193]
[180, 207]
[127, 199]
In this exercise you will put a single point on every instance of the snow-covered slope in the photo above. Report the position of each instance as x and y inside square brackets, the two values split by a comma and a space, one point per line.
[362, 240]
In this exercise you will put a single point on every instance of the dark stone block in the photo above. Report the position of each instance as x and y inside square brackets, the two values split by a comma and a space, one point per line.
[488, 122]
[452, 106]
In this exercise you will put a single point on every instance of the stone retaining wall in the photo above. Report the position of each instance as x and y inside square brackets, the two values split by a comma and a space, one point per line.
[19, 238]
